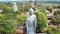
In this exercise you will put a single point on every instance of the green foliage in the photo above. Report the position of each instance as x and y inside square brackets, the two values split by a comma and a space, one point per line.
[49, 8]
[49, 31]
[57, 12]
[42, 21]
[54, 30]
[21, 19]
[7, 18]
[7, 10]
[10, 12]
[18, 12]
[9, 4]
[42, 10]
[56, 19]
[6, 25]
[26, 9]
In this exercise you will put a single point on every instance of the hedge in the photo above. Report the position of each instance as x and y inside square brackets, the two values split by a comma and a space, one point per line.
[42, 21]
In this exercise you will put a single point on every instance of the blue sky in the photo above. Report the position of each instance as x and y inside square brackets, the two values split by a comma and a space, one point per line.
[28, 0]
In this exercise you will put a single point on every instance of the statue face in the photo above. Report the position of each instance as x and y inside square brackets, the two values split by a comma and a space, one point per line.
[31, 11]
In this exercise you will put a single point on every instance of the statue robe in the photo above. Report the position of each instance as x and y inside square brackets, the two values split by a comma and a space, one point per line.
[31, 24]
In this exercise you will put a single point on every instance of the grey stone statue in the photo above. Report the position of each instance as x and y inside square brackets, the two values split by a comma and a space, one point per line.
[31, 22]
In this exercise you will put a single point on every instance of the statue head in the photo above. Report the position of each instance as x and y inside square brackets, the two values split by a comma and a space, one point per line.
[30, 11]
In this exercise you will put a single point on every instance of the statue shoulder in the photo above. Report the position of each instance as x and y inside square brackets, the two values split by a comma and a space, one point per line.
[34, 15]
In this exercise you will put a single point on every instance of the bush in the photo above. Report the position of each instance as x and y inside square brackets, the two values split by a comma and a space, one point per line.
[49, 31]
[6, 26]
[18, 12]
[7, 10]
[56, 19]
[7, 18]
[42, 21]
[57, 12]
[54, 30]
[21, 19]
[26, 9]
[42, 10]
